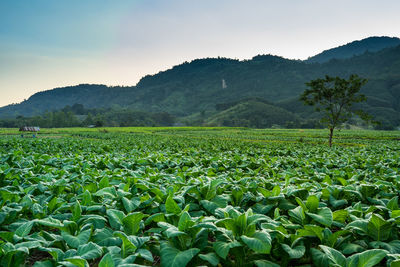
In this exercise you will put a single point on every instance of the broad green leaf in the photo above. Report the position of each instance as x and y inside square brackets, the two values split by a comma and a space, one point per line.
[222, 248]
[340, 215]
[395, 213]
[28, 244]
[98, 222]
[294, 253]
[170, 230]
[56, 253]
[104, 182]
[171, 206]
[115, 218]
[311, 230]
[378, 228]
[211, 258]
[301, 203]
[173, 257]
[38, 210]
[236, 196]
[8, 236]
[319, 258]
[337, 259]
[130, 205]
[75, 241]
[324, 216]
[50, 222]
[367, 258]
[360, 225]
[105, 237]
[395, 263]
[76, 261]
[107, 261]
[351, 248]
[90, 251]
[240, 224]
[145, 254]
[76, 211]
[209, 205]
[297, 214]
[264, 192]
[256, 218]
[87, 198]
[127, 246]
[276, 190]
[332, 239]
[393, 204]
[127, 262]
[108, 192]
[260, 242]
[337, 203]
[52, 204]
[131, 223]
[276, 214]
[138, 241]
[312, 203]
[24, 229]
[185, 221]
[157, 217]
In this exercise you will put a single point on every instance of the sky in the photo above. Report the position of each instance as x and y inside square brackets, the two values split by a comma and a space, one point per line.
[46, 44]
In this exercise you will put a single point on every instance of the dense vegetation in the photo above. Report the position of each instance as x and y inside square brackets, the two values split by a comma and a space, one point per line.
[371, 44]
[193, 91]
[253, 113]
[335, 97]
[199, 196]
[77, 115]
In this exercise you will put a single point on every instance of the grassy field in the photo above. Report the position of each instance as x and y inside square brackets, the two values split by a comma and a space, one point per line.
[239, 134]
[193, 196]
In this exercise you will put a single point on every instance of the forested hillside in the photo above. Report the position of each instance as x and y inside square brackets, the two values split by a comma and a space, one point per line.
[371, 44]
[195, 89]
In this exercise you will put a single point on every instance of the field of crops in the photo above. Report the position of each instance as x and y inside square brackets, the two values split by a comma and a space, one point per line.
[199, 197]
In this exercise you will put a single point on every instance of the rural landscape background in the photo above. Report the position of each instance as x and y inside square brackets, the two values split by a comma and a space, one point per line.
[181, 133]
[261, 92]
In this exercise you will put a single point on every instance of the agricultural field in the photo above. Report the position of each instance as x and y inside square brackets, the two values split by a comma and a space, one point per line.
[199, 197]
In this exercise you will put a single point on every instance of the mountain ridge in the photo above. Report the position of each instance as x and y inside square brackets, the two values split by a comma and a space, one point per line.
[358, 47]
[196, 86]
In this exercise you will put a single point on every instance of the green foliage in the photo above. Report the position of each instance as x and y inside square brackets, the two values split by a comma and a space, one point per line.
[172, 257]
[199, 197]
[69, 117]
[371, 44]
[193, 93]
[335, 96]
[253, 113]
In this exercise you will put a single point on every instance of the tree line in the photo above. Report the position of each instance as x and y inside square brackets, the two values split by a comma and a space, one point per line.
[78, 116]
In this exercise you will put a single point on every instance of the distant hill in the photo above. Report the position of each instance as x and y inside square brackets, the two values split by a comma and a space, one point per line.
[253, 113]
[90, 95]
[197, 87]
[371, 44]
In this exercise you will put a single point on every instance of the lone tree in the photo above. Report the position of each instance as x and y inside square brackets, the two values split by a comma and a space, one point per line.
[335, 96]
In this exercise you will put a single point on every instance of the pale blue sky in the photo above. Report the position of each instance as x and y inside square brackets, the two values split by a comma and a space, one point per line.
[46, 43]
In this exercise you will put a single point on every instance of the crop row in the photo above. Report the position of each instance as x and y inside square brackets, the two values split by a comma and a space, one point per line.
[140, 199]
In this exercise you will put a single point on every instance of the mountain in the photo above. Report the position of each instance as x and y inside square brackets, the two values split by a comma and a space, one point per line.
[253, 113]
[90, 95]
[203, 85]
[371, 44]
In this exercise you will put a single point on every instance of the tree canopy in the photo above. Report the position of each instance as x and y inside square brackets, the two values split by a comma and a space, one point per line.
[335, 97]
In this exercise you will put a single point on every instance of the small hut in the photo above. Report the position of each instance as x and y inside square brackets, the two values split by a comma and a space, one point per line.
[32, 129]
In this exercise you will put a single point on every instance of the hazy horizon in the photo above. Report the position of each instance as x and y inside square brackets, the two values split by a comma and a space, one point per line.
[47, 44]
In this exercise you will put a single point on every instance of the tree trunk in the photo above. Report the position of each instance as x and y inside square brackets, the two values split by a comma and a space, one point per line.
[330, 136]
